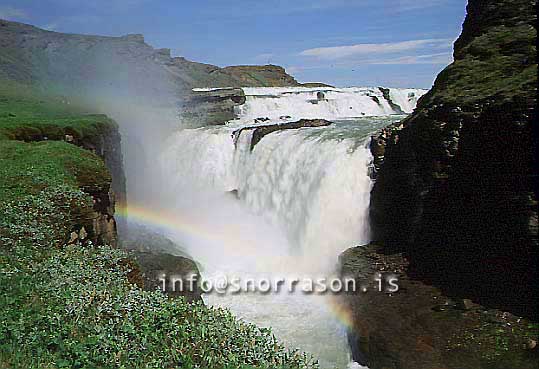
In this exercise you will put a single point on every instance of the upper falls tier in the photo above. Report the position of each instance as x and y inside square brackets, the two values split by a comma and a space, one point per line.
[326, 103]
[215, 106]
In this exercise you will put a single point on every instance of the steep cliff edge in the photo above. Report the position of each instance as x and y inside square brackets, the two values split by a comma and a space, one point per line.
[67, 296]
[53, 143]
[456, 189]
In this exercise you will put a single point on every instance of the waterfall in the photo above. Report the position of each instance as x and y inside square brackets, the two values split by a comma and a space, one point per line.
[314, 188]
[406, 98]
[303, 199]
[287, 207]
[308, 183]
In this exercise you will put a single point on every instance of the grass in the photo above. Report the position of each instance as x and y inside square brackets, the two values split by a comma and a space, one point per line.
[28, 168]
[28, 114]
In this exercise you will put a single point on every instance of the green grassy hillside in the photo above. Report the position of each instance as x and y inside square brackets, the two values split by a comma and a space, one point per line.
[77, 305]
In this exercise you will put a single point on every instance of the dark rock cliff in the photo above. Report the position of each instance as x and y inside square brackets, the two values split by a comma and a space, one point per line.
[108, 146]
[457, 190]
[100, 226]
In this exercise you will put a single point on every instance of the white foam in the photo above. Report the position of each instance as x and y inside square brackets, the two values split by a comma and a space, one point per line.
[292, 103]
[406, 98]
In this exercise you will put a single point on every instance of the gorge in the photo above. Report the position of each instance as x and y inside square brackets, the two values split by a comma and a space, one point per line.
[246, 172]
[301, 197]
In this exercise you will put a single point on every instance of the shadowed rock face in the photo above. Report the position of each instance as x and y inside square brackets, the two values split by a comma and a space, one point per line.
[156, 255]
[214, 107]
[457, 190]
[395, 107]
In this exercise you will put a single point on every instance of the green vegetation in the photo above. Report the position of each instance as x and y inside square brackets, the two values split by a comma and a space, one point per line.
[28, 115]
[500, 344]
[73, 306]
[28, 168]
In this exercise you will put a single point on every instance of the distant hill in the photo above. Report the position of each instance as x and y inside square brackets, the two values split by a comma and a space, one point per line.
[264, 75]
[84, 63]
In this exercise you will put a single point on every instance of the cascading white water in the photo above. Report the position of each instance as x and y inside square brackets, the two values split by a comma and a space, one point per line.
[303, 200]
[301, 197]
[313, 187]
[406, 98]
[326, 103]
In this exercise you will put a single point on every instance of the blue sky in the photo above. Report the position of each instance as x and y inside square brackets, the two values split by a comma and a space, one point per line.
[398, 43]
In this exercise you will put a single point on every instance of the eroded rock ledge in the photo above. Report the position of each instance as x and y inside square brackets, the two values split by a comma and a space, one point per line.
[260, 131]
[210, 107]
[418, 327]
[155, 256]
[103, 227]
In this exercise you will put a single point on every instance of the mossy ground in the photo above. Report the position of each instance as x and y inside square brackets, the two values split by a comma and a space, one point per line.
[73, 306]
[28, 168]
[500, 64]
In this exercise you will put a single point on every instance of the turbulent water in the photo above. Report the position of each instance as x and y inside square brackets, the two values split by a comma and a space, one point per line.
[300, 197]
[327, 103]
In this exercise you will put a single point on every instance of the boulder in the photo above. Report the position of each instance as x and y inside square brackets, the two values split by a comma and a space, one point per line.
[170, 274]
[419, 327]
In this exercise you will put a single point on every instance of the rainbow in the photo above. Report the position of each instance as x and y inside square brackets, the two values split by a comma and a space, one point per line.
[187, 226]
[178, 222]
[341, 312]
[174, 221]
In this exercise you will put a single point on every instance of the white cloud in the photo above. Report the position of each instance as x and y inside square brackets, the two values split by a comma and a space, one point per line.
[444, 58]
[343, 52]
[10, 13]
[439, 58]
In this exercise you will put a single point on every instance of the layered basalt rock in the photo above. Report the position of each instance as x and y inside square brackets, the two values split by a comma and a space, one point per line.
[258, 132]
[211, 107]
[99, 225]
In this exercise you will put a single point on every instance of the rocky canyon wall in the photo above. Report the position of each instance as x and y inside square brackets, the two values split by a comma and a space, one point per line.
[457, 191]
